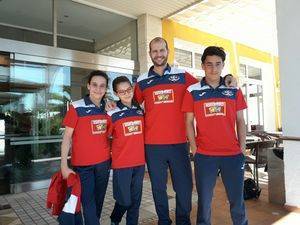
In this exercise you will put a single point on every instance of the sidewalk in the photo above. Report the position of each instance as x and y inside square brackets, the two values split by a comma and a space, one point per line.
[28, 208]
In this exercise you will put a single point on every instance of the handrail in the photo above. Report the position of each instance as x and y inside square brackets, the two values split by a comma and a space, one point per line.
[278, 136]
[289, 138]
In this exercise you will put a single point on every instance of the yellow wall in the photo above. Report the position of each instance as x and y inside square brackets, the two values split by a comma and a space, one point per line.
[172, 30]
[277, 91]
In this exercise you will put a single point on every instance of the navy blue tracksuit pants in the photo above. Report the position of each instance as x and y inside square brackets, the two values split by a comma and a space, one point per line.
[232, 173]
[94, 180]
[127, 191]
[175, 157]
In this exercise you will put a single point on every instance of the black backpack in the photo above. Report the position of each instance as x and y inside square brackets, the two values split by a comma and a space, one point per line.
[251, 190]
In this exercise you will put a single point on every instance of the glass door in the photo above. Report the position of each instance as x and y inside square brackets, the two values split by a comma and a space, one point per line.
[33, 103]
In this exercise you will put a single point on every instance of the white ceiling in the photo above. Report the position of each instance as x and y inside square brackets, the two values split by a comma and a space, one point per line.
[251, 22]
[135, 8]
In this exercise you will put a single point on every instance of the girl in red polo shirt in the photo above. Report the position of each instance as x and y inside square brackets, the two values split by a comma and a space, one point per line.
[128, 156]
[86, 132]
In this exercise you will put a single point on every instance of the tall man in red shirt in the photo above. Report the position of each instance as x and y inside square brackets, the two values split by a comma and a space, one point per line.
[221, 135]
[162, 90]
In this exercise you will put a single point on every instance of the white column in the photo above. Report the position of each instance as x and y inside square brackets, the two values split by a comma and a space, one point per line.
[149, 27]
[288, 23]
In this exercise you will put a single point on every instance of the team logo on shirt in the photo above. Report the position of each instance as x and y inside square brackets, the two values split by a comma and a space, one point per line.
[132, 127]
[227, 93]
[202, 93]
[215, 109]
[149, 81]
[163, 96]
[174, 78]
[140, 112]
[99, 126]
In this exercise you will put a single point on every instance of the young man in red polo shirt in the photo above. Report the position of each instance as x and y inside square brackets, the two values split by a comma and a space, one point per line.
[221, 135]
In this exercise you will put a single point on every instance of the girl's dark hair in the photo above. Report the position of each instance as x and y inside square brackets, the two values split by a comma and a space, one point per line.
[99, 73]
[122, 79]
[119, 80]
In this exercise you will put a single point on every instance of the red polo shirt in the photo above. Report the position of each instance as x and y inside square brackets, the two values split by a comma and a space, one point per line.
[162, 97]
[90, 137]
[215, 112]
[128, 136]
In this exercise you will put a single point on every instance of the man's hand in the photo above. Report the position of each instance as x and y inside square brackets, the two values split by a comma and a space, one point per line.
[243, 149]
[110, 105]
[193, 149]
[230, 81]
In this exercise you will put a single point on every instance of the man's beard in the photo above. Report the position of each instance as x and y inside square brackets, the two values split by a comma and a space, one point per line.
[164, 62]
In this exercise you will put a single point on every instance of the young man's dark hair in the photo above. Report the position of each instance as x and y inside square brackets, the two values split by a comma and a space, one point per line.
[158, 39]
[213, 50]
[99, 73]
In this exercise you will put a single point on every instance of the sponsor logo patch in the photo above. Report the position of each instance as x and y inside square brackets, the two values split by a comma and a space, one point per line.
[163, 96]
[215, 109]
[132, 127]
[99, 126]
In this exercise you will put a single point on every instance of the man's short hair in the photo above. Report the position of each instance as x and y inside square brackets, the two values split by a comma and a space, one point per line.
[158, 39]
[213, 50]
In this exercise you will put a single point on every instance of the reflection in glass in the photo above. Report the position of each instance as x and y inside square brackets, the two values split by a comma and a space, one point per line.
[32, 106]
[79, 27]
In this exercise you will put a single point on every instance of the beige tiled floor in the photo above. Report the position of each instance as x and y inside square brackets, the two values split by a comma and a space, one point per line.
[29, 208]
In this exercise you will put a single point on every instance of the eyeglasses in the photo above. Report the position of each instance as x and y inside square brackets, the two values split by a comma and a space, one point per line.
[124, 92]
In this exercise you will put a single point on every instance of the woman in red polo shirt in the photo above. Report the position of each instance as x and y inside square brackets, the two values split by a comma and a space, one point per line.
[128, 155]
[86, 133]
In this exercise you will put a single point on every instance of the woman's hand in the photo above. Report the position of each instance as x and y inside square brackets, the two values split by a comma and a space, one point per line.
[66, 171]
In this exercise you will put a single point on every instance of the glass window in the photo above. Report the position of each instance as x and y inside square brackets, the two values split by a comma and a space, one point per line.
[242, 70]
[183, 57]
[198, 61]
[254, 73]
[96, 30]
[253, 90]
[250, 72]
[20, 22]
[79, 27]
[120, 48]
